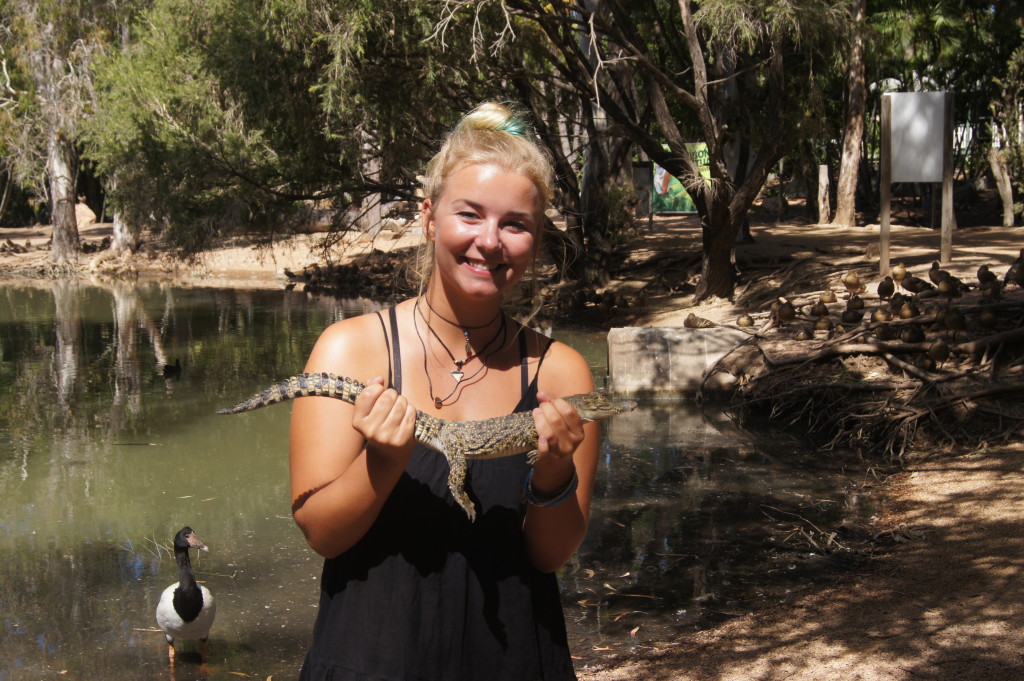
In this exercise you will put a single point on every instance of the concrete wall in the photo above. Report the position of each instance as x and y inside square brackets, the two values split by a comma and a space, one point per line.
[669, 361]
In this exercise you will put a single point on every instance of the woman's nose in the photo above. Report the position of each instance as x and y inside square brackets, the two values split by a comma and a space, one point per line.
[488, 236]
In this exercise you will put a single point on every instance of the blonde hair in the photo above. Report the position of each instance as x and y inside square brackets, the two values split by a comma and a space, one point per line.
[491, 134]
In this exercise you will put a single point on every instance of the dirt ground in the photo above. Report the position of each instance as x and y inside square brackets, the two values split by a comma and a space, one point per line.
[947, 602]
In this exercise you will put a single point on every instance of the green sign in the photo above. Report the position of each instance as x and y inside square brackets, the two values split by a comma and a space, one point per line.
[668, 194]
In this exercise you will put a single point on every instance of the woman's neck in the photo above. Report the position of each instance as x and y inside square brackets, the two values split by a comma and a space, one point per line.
[459, 339]
[473, 316]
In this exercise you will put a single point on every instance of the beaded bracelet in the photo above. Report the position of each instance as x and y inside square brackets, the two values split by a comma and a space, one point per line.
[549, 500]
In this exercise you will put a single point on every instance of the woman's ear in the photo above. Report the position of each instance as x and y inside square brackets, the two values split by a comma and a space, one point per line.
[427, 219]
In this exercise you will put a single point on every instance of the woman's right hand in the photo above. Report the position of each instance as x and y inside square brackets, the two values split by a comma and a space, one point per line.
[387, 421]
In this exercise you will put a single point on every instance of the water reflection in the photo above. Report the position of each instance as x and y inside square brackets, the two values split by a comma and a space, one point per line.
[104, 455]
[687, 524]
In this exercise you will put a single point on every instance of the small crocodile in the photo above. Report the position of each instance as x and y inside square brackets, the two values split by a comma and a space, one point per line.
[458, 441]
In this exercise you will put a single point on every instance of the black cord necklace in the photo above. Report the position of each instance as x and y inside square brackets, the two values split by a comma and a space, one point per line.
[457, 374]
[465, 329]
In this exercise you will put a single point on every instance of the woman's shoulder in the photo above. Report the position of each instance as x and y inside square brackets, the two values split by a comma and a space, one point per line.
[563, 370]
[354, 330]
[354, 346]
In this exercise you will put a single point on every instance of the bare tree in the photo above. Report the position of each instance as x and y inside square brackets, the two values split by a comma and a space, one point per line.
[49, 47]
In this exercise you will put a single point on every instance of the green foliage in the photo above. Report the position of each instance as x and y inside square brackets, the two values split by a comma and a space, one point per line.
[958, 46]
[240, 114]
[615, 219]
[743, 39]
[189, 127]
[237, 114]
[747, 27]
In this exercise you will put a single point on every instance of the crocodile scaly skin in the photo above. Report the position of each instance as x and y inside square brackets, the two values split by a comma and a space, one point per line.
[458, 441]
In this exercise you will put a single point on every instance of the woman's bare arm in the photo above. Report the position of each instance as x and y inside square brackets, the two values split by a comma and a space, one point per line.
[567, 446]
[345, 459]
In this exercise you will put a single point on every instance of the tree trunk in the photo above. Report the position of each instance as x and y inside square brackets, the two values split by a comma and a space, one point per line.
[5, 202]
[124, 240]
[823, 204]
[853, 135]
[590, 267]
[737, 159]
[718, 273]
[1002, 175]
[60, 168]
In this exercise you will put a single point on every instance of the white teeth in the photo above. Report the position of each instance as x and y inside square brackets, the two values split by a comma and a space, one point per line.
[482, 265]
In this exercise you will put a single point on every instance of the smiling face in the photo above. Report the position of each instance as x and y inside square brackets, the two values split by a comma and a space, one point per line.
[485, 227]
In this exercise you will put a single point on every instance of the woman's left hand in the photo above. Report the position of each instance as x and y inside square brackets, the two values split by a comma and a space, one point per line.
[559, 433]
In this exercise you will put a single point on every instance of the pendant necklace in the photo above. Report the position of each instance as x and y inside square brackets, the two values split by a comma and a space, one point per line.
[465, 329]
[457, 374]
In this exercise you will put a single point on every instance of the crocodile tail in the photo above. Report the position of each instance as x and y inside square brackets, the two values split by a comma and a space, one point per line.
[300, 385]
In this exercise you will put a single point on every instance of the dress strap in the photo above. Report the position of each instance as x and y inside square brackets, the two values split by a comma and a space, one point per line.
[524, 362]
[396, 357]
[387, 343]
[395, 354]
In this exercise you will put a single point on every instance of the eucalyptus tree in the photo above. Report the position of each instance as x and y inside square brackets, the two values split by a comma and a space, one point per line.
[50, 44]
[737, 76]
[1006, 104]
[246, 114]
[853, 119]
[1007, 153]
[206, 118]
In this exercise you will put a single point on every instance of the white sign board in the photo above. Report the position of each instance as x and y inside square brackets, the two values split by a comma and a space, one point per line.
[918, 136]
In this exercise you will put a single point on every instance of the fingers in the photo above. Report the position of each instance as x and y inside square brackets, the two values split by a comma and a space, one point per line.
[384, 418]
[559, 427]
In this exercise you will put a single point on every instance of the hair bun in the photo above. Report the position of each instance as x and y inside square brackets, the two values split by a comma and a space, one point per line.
[478, 139]
[494, 116]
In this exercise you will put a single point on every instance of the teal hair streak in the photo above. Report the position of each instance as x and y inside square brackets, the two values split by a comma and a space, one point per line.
[514, 126]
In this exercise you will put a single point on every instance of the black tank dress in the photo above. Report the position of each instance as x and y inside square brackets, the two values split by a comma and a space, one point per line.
[430, 596]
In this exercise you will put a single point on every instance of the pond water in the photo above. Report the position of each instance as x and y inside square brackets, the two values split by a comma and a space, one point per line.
[103, 458]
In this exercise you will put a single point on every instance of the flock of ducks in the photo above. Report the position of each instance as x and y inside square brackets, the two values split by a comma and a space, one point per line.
[901, 299]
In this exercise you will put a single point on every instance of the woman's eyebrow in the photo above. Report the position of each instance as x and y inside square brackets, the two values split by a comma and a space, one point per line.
[522, 215]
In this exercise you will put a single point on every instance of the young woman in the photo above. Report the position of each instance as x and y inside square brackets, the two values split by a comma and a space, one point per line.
[411, 588]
